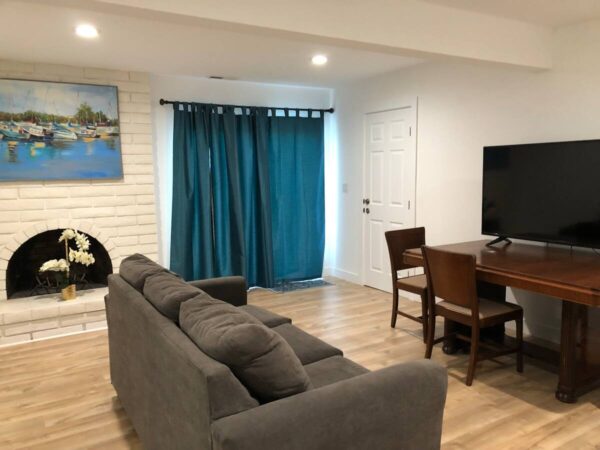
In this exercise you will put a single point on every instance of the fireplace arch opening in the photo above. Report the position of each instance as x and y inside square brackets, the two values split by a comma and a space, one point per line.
[22, 273]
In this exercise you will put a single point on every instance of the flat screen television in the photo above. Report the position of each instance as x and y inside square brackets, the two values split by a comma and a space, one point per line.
[543, 192]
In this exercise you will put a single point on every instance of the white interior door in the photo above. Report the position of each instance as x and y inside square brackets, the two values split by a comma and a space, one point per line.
[389, 189]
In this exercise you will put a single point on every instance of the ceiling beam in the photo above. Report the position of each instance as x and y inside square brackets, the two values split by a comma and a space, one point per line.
[409, 27]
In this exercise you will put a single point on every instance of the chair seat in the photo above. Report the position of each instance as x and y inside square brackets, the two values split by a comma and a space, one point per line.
[416, 285]
[487, 309]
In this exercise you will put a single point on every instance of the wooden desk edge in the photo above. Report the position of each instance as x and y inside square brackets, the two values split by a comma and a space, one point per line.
[584, 296]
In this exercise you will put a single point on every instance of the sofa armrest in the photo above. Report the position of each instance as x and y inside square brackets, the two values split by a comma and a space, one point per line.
[397, 407]
[229, 289]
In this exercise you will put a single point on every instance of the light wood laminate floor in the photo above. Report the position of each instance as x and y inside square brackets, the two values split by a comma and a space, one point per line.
[56, 394]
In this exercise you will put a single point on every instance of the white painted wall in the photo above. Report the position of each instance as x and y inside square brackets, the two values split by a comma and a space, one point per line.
[222, 92]
[463, 107]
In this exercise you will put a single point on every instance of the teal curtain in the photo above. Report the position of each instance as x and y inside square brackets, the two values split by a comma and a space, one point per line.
[247, 194]
[191, 224]
[296, 155]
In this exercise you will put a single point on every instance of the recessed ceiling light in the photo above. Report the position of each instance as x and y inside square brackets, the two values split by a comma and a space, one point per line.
[319, 60]
[87, 31]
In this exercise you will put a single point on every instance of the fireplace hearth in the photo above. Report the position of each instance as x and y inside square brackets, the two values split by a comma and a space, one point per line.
[22, 274]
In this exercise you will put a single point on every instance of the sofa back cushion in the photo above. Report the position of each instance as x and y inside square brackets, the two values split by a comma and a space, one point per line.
[135, 269]
[154, 365]
[261, 359]
[167, 292]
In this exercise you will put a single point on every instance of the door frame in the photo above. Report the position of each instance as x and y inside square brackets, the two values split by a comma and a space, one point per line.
[413, 105]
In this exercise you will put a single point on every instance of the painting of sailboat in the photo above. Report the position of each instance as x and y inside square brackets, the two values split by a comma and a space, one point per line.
[59, 131]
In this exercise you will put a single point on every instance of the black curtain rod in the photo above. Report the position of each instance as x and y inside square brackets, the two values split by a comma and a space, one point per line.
[162, 101]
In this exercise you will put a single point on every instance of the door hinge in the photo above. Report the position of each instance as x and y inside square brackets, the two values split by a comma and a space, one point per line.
[409, 204]
[410, 131]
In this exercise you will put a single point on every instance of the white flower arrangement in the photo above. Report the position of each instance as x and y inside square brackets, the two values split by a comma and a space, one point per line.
[67, 235]
[55, 265]
[80, 256]
[82, 242]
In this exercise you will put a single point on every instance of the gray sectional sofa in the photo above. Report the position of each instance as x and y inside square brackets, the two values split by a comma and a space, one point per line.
[178, 397]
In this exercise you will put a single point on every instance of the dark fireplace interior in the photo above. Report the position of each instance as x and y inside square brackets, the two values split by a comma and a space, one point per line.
[23, 277]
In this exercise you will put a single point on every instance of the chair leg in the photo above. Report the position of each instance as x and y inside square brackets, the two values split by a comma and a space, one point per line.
[473, 355]
[430, 334]
[520, 344]
[424, 315]
[394, 308]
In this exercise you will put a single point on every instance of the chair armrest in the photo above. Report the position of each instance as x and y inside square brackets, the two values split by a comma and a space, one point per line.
[229, 289]
[397, 407]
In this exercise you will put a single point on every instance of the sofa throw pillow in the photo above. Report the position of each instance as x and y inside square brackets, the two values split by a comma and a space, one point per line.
[259, 357]
[166, 291]
[135, 269]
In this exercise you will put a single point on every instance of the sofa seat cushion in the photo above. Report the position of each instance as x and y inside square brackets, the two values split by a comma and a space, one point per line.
[260, 358]
[135, 269]
[331, 370]
[266, 317]
[167, 292]
[309, 349]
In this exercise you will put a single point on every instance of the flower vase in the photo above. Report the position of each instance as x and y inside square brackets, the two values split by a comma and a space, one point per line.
[69, 293]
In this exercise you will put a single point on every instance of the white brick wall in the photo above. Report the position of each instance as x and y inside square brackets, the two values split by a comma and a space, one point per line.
[41, 317]
[124, 210]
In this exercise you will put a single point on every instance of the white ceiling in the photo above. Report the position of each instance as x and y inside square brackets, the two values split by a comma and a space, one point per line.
[232, 39]
[552, 13]
[44, 33]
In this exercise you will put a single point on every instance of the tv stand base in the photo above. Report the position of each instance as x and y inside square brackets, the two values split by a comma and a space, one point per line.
[498, 240]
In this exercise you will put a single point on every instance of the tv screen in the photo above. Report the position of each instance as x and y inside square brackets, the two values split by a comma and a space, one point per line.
[543, 192]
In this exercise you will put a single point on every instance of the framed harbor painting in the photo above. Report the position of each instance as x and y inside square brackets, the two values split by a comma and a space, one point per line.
[58, 131]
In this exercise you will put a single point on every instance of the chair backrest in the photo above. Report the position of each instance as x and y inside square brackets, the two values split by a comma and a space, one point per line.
[451, 277]
[398, 241]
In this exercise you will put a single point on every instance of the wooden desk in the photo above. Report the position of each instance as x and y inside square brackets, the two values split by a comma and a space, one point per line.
[571, 276]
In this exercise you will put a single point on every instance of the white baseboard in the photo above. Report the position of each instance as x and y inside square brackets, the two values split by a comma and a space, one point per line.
[343, 274]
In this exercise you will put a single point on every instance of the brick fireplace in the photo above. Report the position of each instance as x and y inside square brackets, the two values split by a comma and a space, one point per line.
[118, 214]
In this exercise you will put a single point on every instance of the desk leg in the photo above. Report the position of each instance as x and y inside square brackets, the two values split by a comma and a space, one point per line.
[573, 316]
[565, 392]
[579, 366]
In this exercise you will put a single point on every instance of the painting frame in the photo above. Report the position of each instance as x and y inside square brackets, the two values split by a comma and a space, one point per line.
[98, 127]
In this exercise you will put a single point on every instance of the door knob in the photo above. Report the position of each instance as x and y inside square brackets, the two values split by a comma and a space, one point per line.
[367, 201]
[367, 210]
